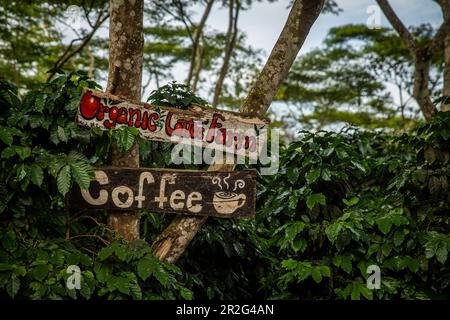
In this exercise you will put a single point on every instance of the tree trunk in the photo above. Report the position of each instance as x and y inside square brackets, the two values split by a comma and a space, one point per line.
[126, 45]
[230, 42]
[301, 18]
[421, 91]
[198, 66]
[174, 240]
[195, 45]
[446, 91]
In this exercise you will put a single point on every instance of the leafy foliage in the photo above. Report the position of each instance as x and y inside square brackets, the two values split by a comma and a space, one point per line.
[175, 95]
[348, 201]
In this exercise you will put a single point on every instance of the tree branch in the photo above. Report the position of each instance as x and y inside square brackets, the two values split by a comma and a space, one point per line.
[68, 54]
[230, 42]
[198, 34]
[443, 30]
[398, 25]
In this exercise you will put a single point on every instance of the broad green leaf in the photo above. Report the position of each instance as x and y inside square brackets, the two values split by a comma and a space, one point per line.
[366, 292]
[122, 284]
[8, 152]
[186, 293]
[120, 252]
[316, 198]
[313, 175]
[37, 175]
[82, 173]
[64, 180]
[358, 165]
[316, 275]
[351, 202]
[292, 174]
[62, 134]
[299, 244]
[146, 266]
[23, 152]
[105, 253]
[6, 136]
[332, 231]
[326, 174]
[441, 252]
[40, 103]
[13, 286]
[40, 272]
[384, 224]
[346, 264]
[325, 271]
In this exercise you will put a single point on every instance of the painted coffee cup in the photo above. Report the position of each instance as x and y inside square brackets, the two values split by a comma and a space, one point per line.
[228, 202]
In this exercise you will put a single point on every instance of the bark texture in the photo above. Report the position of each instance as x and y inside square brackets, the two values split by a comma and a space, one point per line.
[299, 22]
[126, 45]
[173, 241]
[445, 5]
[446, 89]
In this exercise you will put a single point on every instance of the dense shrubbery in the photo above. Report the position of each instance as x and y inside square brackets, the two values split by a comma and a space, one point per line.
[341, 202]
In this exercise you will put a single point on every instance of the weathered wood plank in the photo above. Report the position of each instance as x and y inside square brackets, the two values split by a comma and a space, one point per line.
[197, 125]
[226, 194]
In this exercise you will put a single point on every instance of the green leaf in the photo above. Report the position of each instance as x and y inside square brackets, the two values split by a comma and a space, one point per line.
[292, 174]
[316, 198]
[384, 224]
[62, 134]
[82, 173]
[37, 175]
[105, 253]
[293, 229]
[356, 294]
[63, 180]
[325, 271]
[13, 286]
[441, 252]
[122, 284]
[146, 266]
[8, 152]
[125, 138]
[313, 175]
[399, 236]
[346, 264]
[351, 202]
[326, 174]
[332, 231]
[40, 103]
[358, 165]
[366, 292]
[6, 136]
[120, 252]
[23, 152]
[186, 293]
[316, 275]
[40, 272]
[299, 244]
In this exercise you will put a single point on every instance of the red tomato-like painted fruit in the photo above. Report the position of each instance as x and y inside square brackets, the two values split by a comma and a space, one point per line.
[89, 106]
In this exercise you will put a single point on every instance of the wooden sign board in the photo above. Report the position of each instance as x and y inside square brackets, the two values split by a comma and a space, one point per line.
[197, 125]
[225, 194]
